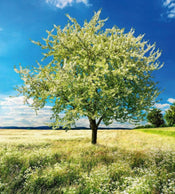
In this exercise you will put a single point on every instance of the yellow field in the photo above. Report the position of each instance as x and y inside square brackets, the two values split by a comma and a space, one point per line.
[127, 139]
[53, 161]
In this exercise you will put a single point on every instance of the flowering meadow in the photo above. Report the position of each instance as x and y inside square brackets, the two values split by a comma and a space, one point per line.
[55, 161]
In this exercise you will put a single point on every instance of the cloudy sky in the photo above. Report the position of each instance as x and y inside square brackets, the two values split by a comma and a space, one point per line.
[25, 20]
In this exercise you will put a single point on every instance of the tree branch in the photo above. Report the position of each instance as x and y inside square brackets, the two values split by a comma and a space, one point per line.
[99, 121]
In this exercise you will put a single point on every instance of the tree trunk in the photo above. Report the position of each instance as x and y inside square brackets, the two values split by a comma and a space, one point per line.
[94, 127]
[94, 136]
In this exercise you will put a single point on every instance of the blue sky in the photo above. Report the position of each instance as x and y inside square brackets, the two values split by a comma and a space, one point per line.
[21, 21]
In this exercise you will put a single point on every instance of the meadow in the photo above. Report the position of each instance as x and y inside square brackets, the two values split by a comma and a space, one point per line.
[53, 161]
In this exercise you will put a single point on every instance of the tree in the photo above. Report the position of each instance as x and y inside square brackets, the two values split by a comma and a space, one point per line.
[101, 74]
[170, 115]
[155, 117]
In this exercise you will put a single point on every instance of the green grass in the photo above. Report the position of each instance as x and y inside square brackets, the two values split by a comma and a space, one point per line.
[161, 131]
[123, 161]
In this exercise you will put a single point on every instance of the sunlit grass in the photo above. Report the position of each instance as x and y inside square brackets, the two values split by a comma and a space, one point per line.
[169, 131]
[123, 161]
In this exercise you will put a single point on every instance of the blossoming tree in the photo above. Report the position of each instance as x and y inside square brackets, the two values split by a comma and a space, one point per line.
[101, 74]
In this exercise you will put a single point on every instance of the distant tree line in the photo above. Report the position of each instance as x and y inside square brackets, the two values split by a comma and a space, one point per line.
[157, 119]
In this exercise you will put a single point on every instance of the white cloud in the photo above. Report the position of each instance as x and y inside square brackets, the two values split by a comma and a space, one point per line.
[11, 101]
[169, 5]
[13, 112]
[167, 2]
[82, 1]
[171, 100]
[118, 125]
[63, 3]
[83, 122]
[162, 106]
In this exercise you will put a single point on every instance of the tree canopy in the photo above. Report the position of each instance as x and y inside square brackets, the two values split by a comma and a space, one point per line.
[155, 117]
[102, 74]
[170, 115]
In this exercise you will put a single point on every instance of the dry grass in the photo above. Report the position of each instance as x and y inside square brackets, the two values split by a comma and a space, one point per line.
[123, 161]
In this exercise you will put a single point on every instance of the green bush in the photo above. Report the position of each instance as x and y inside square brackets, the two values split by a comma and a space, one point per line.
[155, 117]
[170, 116]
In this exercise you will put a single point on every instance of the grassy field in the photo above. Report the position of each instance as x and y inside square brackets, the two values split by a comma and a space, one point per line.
[123, 161]
[161, 131]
